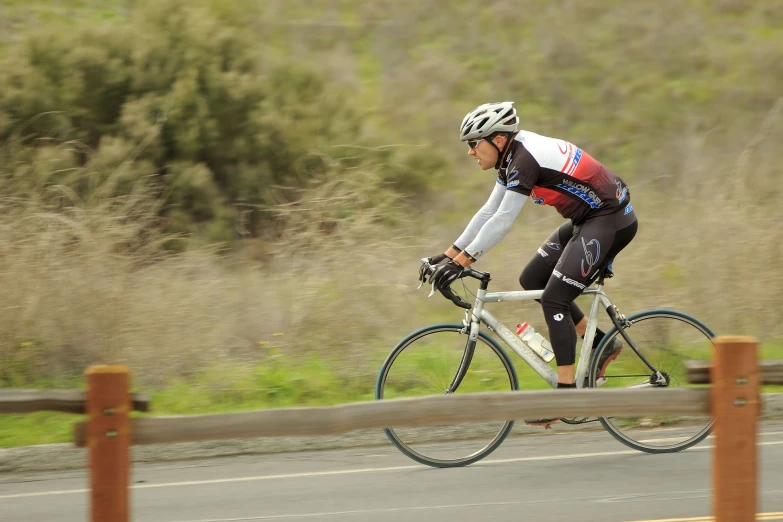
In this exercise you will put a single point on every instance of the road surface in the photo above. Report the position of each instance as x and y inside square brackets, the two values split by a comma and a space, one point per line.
[579, 475]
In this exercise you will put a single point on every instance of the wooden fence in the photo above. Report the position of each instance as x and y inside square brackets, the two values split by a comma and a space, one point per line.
[733, 399]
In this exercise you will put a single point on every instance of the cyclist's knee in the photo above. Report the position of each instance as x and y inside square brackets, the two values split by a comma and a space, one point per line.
[534, 276]
[554, 296]
[558, 295]
[524, 280]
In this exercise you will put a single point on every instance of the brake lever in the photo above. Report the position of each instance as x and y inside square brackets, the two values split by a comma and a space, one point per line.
[423, 273]
[432, 290]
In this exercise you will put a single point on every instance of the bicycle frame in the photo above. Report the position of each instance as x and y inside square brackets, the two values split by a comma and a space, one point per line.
[589, 360]
[476, 314]
[480, 315]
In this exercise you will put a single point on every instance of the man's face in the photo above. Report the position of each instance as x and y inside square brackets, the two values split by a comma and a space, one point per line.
[486, 155]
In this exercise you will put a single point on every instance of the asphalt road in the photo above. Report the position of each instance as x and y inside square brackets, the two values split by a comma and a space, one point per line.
[584, 476]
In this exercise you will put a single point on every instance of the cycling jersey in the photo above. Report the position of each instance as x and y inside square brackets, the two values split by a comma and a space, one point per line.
[602, 222]
[558, 173]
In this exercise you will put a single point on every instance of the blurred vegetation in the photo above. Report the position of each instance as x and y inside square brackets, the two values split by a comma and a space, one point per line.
[319, 137]
[226, 108]
[191, 105]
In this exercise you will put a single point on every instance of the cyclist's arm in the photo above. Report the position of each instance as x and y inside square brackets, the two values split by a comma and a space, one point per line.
[479, 219]
[495, 228]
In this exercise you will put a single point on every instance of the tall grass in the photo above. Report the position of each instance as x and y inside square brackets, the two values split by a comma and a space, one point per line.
[681, 99]
[80, 286]
[90, 284]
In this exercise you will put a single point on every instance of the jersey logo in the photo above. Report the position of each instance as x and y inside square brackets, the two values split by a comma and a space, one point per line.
[537, 201]
[574, 154]
[583, 192]
[577, 157]
[513, 183]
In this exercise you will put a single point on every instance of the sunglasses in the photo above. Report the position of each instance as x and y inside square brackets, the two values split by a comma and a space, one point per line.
[474, 143]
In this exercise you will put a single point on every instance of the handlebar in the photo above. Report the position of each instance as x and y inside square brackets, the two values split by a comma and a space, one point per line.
[456, 299]
[427, 269]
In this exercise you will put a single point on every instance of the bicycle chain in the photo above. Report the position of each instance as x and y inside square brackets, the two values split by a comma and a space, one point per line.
[576, 420]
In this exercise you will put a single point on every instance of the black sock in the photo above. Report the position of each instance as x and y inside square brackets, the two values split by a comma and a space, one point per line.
[599, 334]
[562, 385]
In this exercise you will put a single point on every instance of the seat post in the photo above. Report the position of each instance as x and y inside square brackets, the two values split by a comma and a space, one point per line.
[606, 272]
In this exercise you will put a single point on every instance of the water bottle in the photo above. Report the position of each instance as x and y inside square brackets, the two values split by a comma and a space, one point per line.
[535, 341]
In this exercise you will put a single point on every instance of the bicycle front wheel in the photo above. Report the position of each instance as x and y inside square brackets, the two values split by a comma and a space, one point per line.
[426, 362]
[667, 339]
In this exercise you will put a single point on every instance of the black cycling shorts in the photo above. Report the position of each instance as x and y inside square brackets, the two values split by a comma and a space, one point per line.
[567, 263]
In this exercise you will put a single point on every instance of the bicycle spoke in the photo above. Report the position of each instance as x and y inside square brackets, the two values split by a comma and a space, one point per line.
[426, 363]
[666, 339]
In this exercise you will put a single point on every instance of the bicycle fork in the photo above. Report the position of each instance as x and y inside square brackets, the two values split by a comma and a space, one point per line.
[467, 355]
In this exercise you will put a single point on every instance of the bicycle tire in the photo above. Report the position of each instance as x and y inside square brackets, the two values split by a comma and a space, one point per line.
[639, 318]
[395, 439]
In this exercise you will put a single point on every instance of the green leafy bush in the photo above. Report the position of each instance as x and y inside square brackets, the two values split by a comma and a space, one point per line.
[178, 101]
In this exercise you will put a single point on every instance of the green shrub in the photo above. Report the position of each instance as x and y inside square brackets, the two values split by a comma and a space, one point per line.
[179, 101]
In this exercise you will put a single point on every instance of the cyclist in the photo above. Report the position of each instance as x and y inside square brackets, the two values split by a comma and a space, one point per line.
[550, 172]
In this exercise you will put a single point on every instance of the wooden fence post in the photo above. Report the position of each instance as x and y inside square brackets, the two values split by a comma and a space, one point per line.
[735, 404]
[108, 439]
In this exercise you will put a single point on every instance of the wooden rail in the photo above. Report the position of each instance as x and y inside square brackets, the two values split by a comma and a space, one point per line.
[699, 372]
[733, 400]
[66, 401]
[421, 411]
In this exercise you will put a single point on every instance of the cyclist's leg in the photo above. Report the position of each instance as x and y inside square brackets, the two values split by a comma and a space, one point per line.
[594, 243]
[577, 268]
[550, 292]
[626, 225]
[537, 272]
[626, 230]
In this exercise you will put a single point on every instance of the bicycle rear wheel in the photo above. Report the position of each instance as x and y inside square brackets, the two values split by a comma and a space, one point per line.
[426, 363]
[667, 339]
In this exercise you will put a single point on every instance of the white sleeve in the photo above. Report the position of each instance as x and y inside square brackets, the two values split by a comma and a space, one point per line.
[481, 217]
[498, 225]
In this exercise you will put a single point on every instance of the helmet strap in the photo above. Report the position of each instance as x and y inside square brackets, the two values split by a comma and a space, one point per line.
[502, 153]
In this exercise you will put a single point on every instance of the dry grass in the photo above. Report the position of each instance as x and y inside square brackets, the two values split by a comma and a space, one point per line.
[78, 290]
[681, 100]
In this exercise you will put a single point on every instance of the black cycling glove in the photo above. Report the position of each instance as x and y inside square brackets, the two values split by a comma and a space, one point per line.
[434, 260]
[446, 274]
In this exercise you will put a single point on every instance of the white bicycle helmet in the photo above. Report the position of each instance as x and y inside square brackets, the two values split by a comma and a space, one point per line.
[487, 119]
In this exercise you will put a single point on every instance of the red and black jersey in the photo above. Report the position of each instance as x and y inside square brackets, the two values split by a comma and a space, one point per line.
[558, 173]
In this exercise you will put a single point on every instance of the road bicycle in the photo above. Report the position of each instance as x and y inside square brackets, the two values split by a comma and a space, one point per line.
[452, 357]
